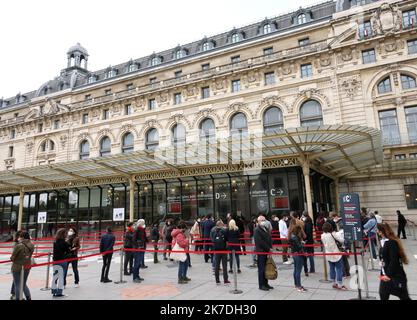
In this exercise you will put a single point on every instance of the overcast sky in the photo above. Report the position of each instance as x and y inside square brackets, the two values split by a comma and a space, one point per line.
[36, 34]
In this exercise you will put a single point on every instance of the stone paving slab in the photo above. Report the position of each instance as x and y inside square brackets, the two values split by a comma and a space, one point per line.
[161, 282]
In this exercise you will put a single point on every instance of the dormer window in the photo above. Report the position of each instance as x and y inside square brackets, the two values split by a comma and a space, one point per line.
[156, 61]
[208, 45]
[235, 37]
[178, 54]
[111, 73]
[302, 18]
[267, 28]
[91, 79]
[132, 67]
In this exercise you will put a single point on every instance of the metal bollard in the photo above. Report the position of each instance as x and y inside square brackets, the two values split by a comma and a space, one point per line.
[235, 291]
[365, 276]
[47, 274]
[121, 266]
[326, 278]
[22, 279]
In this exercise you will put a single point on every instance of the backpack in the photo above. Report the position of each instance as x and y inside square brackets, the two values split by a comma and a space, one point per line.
[219, 240]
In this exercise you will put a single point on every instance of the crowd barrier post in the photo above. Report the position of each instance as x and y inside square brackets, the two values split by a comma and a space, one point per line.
[326, 277]
[47, 274]
[357, 271]
[121, 266]
[414, 231]
[235, 291]
[371, 248]
[22, 280]
[365, 275]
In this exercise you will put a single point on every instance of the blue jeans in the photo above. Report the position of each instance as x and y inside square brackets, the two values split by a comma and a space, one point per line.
[372, 244]
[298, 266]
[16, 282]
[336, 271]
[137, 260]
[231, 260]
[182, 269]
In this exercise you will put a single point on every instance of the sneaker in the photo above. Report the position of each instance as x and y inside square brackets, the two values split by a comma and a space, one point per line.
[141, 279]
[263, 288]
[12, 297]
[137, 281]
[342, 288]
[76, 285]
[239, 271]
[269, 287]
[288, 262]
[186, 279]
[227, 282]
[230, 271]
[335, 286]
[307, 274]
[127, 274]
[143, 267]
[107, 281]
[218, 283]
[60, 296]
[182, 281]
[301, 289]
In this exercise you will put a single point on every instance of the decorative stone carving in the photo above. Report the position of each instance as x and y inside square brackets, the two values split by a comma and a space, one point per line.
[376, 24]
[310, 94]
[179, 118]
[63, 140]
[52, 107]
[351, 86]
[9, 162]
[162, 98]
[237, 107]
[190, 93]
[206, 113]
[272, 101]
[29, 146]
[219, 86]
[387, 19]
[139, 104]
[116, 108]
[286, 69]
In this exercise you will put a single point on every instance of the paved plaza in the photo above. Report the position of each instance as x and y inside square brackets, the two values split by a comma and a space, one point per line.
[161, 281]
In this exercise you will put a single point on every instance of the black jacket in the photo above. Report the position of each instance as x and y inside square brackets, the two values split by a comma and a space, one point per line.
[308, 229]
[263, 240]
[107, 242]
[251, 228]
[241, 225]
[233, 236]
[402, 221]
[128, 239]
[62, 250]
[391, 261]
[168, 231]
[219, 238]
[296, 245]
[155, 234]
[207, 226]
[139, 238]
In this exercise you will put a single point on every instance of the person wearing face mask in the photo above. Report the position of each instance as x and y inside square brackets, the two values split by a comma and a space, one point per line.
[21, 257]
[139, 242]
[74, 243]
[263, 243]
[283, 231]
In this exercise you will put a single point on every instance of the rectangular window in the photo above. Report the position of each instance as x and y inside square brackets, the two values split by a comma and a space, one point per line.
[409, 18]
[107, 92]
[269, 78]
[16, 114]
[413, 155]
[177, 98]
[56, 124]
[152, 80]
[205, 92]
[205, 67]
[365, 30]
[40, 127]
[106, 114]
[12, 134]
[400, 157]
[306, 70]
[268, 51]
[178, 74]
[11, 152]
[411, 196]
[128, 109]
[235, 59]
[130, 86]
[389, 127]
[85, 118]
[152, 104]
[303, 42]
[368, 56]
[88, 97]
[412, 46]
[411, 119]
[235, 85]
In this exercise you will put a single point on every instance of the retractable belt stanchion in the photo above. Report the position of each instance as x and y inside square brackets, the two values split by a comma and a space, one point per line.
[22, 279]
[357, 272]
[235, 291]
[47, 274]
[365, 276]
[371, 249]
[121, 266]
[326, 277]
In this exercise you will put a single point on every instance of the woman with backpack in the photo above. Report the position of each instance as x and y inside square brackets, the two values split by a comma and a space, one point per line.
[233, 234]
[295, 237]
[333, 243]
[392, 254]
[22, 258]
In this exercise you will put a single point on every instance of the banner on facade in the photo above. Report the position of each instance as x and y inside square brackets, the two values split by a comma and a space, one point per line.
[42, 217]
[351, 215]
[119, 214]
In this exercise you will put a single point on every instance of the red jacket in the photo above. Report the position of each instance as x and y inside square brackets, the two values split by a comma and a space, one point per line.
[179, 237]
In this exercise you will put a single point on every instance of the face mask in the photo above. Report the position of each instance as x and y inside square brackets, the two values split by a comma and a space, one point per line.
[20, 240]
[70, 233]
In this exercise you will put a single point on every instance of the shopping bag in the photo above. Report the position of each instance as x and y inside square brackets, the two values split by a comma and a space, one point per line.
[271, 271]
[178, 256]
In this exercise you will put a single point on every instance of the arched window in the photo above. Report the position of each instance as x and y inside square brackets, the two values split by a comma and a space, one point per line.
[408, 82]
[273, 120]
[47, 146]
[311, 114]
[111, 73]
[207, 46]
[84, 150]
[267, 28]
[207, 130]
[91, 79]
[152, 139]
[302, 18]
[385, 86]
[238, 124]
[178, 134]
[105, 147]
[127, 143]
[155, 61]
[235, 37]
[133, 67]
[178, 54]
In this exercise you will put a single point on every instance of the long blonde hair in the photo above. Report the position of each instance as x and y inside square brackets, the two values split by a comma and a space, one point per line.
[232, 225]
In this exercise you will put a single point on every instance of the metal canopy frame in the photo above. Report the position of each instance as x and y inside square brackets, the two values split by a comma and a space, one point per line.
[338, 151]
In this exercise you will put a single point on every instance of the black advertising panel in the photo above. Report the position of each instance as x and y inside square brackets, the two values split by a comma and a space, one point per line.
[351, 215]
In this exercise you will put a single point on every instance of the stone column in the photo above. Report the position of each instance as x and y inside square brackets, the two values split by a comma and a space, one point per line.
[20, 215]
[336, 191]
[307, 185]
[132, 199]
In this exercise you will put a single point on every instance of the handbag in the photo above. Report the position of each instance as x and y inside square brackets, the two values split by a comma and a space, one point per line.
[271, 271]
[178, 256]
[339, 245]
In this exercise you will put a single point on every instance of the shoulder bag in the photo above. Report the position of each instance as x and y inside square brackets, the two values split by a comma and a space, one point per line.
[271, 271]
[178, 256]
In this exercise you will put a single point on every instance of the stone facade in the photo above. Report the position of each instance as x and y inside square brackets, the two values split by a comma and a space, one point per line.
[342, 83]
